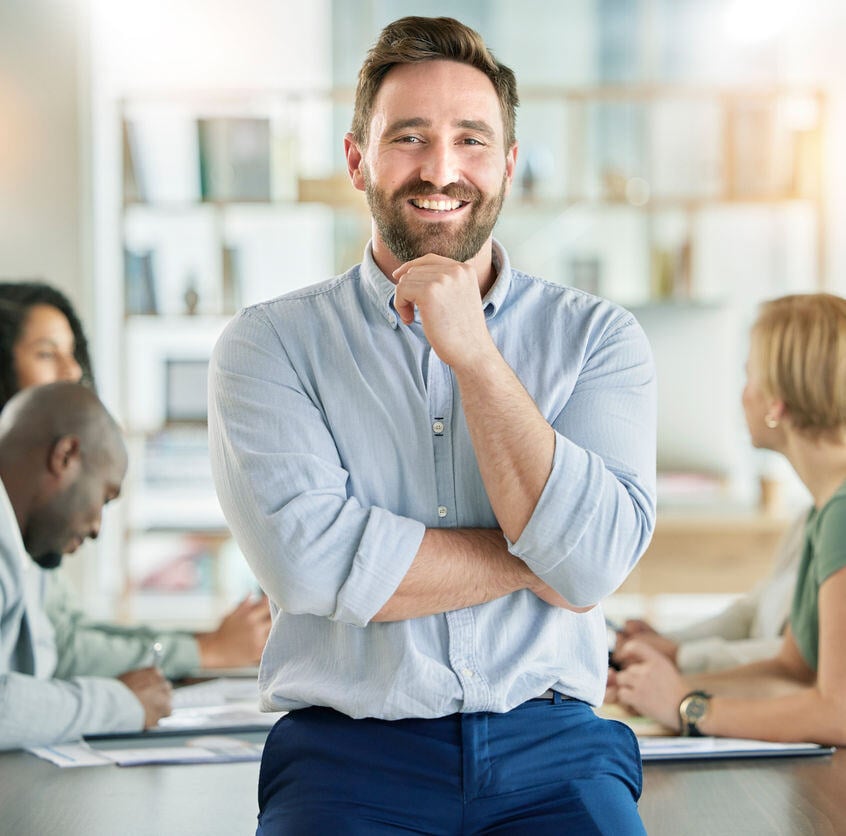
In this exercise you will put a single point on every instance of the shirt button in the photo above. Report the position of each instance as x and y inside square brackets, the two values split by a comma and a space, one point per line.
[442, 511]
[469, 673]
[438, 428]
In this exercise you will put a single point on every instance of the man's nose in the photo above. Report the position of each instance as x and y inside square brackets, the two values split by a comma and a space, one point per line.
[440, 164]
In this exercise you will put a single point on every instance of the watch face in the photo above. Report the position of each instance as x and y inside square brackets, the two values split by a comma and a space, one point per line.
[696, 707]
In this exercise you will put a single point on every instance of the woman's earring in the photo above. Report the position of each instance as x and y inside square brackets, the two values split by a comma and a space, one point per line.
[770, 421]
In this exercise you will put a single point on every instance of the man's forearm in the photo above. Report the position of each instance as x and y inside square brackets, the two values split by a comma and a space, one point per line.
[457, 568]
[514, 443]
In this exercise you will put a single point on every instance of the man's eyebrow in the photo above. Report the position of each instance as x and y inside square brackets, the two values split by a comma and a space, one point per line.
[478, 125]
[412, 122]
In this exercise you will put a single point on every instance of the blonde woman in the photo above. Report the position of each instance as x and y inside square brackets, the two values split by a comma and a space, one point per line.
[795, 403]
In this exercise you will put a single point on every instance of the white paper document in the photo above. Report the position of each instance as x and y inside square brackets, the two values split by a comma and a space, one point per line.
[223, 703]
[235, 715]
[218, 691]
[687, 748]
[68, 755]
[205, 749]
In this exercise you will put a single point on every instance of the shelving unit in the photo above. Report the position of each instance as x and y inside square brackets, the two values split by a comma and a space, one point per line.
[228, 200]
[211, 221]
[666, 160]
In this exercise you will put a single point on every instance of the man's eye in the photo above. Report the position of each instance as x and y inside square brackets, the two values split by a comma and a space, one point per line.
[411, 140]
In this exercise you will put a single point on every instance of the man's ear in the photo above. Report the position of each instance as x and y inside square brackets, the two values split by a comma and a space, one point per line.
[64, 459]
[510, 166]
[354, 157]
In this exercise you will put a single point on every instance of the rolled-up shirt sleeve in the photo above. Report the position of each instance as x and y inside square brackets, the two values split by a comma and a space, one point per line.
[596, 514]
[285, 491]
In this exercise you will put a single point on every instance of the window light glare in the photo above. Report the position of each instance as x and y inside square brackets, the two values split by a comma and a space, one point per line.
[750, 22]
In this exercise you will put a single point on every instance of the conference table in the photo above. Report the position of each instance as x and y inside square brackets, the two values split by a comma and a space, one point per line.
[788, 795]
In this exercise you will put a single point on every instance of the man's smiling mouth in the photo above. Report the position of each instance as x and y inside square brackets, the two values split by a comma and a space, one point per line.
[437, 205]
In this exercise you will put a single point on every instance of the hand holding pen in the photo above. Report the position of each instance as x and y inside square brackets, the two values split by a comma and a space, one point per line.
[157, 654]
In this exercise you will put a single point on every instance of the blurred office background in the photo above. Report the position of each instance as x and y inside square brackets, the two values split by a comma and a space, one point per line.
[165, 163]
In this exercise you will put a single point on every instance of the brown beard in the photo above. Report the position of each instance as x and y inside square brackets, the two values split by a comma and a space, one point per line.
[410, 240]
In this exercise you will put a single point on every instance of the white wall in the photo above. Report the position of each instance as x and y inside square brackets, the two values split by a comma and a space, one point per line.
[43, 195]
[159, 48]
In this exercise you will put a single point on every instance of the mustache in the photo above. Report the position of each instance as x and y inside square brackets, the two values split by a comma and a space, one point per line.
[456, 191]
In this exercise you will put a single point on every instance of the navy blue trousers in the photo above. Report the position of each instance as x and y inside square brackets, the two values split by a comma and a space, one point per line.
[543, 768]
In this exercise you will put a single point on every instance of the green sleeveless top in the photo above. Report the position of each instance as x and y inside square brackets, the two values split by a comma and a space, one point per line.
[824, 552]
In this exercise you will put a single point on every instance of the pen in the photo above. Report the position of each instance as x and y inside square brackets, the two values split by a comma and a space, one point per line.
[157, 652]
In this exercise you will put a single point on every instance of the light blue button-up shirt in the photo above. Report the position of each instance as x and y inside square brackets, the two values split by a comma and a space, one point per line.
[337, 438]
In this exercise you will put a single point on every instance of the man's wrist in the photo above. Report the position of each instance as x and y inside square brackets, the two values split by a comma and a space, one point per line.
[207, 648]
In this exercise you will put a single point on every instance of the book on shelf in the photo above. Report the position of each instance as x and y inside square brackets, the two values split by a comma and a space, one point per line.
[234, 159]
[139, 282]
[160, 158]
[174, 563]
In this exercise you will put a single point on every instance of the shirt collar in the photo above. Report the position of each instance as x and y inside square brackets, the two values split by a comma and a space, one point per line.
[381, 289]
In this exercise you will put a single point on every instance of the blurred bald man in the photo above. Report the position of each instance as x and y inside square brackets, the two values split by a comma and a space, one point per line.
[62, 458]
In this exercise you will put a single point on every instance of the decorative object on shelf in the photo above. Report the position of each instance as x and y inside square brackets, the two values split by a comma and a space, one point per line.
[191, 297]
[614, 184]
[671, 272]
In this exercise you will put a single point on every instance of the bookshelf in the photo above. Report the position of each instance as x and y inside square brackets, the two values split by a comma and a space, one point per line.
[210, 220]
[229, 199]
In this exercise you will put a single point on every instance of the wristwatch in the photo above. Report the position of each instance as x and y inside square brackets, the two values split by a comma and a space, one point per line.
[692, 709]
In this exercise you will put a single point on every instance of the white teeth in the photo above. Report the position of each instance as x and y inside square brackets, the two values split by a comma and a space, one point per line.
[437, 205]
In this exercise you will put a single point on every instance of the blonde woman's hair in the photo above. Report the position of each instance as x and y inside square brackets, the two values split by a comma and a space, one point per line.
[800, 345]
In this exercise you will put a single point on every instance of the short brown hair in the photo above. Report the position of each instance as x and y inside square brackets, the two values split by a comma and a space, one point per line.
[412, 40]
[800, 345]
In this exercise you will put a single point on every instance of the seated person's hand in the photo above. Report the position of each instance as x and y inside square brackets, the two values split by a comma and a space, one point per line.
[644, 632]
[240, 638]
[648, 684]
[153, 692]
[611, 686]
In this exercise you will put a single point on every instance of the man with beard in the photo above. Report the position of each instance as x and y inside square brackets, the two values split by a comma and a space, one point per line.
[61, 460]
[436, 466]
